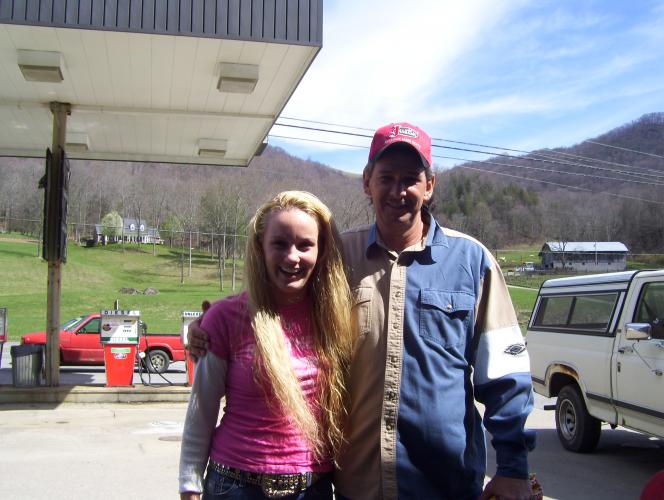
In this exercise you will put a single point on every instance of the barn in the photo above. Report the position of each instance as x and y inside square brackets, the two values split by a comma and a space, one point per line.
[584, 256]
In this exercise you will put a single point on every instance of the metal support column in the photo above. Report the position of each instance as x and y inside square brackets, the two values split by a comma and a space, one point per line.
[60, 111]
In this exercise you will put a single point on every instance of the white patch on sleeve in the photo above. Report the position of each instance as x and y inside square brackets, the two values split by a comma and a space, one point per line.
[499, 353]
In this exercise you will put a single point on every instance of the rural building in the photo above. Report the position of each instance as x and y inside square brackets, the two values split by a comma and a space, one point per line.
[133, 231]
[584, 256]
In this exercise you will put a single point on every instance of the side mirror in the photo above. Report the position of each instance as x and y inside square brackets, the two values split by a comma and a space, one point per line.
[637, 331]
[143, 327]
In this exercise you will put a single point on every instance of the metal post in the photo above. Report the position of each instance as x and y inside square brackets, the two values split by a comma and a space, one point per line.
[54, 280]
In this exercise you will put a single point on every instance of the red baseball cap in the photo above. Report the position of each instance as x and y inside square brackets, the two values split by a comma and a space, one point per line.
[401, 132]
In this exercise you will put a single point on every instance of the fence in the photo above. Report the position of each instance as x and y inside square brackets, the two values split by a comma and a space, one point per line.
[225, 248]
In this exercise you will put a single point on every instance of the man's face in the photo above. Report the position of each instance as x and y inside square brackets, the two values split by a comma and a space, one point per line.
[398, 188]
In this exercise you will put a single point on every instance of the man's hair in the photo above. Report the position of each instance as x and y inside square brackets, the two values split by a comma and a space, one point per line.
[322, 426]
[401, 148]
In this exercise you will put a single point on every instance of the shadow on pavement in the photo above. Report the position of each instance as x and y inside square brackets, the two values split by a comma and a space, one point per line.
[619, 468]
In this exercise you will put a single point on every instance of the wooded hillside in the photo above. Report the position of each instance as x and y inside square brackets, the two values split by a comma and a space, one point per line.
[588, 192]
[615, 196]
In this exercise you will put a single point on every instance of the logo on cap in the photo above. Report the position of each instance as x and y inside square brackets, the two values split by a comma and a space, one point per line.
[400, 130]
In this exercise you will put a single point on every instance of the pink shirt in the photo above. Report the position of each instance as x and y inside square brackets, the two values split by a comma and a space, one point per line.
[253, 435]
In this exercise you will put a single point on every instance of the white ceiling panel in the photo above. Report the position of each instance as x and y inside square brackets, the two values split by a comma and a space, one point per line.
[144, 97]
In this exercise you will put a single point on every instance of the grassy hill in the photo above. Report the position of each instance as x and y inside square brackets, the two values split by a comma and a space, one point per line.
[92, 278]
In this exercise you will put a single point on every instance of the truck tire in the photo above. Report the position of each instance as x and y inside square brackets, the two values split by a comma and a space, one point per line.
[578, 431]
[157, 361]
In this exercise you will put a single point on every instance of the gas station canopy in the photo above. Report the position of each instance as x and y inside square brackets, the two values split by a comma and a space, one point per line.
[176, 81]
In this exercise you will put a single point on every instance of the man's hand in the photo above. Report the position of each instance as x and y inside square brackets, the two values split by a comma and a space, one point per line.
[197, 338]
[190, 496]
[507, 488]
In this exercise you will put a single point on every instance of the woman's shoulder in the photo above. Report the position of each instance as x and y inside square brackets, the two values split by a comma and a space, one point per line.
[226, 317]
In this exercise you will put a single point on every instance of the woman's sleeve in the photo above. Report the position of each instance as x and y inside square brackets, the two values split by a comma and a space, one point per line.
[202, 415]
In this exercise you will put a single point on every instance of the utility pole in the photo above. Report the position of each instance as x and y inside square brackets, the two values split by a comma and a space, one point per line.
[54, 198]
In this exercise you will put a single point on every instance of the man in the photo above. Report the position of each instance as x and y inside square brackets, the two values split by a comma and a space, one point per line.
[436, 330]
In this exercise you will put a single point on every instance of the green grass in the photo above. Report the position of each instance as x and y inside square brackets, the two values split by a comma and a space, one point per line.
[512, 257]
[92, 278]
[523, 300]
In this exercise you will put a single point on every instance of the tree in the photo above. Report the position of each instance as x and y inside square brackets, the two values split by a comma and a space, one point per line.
[111, 225]
[171, 228]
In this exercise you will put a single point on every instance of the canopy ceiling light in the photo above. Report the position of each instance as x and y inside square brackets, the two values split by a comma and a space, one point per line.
[212, 148]
[40, 65]
[237, 78]
[77, 142]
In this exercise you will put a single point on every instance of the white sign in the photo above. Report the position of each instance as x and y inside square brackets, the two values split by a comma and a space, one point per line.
[119, 327]
[3, 324]
[187, 318]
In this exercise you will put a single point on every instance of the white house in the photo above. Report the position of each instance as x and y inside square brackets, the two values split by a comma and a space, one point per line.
[133, 231]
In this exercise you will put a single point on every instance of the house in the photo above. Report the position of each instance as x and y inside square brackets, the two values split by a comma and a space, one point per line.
[584, 256]
[133, 231]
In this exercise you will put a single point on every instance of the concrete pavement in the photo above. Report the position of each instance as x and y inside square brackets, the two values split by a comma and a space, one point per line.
[110, 451]
[130, 450]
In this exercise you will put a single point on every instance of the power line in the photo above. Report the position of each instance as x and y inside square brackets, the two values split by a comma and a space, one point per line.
[320, 141]
[554, 171]
[564, 185]
[545, 158]
[604, 161]
[505, 174]
[625, 149]
[328, 124]
[533, 153]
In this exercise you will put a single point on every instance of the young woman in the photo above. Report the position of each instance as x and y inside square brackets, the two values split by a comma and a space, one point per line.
[279, 353]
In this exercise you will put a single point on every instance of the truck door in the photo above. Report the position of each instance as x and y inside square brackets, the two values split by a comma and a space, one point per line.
[640, 364]
[85, 346]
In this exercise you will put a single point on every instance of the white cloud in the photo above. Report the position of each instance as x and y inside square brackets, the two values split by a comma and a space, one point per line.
[522, 74]
[383, 59]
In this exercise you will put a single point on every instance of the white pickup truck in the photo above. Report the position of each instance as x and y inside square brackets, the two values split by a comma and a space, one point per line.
[597, 344]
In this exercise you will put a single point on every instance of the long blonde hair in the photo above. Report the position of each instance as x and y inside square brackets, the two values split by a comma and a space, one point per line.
[330, 298]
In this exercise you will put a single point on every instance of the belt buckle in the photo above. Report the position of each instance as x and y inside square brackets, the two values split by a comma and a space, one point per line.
[278, 487]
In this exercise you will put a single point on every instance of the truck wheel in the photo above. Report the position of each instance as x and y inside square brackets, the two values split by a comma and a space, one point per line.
[157, 361]
[578, 431]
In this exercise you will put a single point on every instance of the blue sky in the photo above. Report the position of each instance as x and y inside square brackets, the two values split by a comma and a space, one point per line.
[515, 74]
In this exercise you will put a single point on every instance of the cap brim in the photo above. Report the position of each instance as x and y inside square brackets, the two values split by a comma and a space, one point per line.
[425, 163]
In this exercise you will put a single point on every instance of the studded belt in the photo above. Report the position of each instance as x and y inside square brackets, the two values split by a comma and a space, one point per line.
[272, 485]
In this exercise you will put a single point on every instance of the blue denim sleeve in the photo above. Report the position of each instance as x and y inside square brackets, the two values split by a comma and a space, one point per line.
[508, 401]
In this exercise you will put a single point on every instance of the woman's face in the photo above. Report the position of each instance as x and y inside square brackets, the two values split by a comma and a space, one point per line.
[290, 247]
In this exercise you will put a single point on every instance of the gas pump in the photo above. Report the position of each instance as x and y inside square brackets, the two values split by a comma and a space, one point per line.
[187, 318]
[119, 336]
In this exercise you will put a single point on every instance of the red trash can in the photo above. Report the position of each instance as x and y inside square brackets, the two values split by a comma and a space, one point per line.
[119, 360]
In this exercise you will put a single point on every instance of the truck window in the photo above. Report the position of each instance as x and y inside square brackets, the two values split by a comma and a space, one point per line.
[69, 325]
[650, 308]
[91, 327]
[576, 312]
[553, 311]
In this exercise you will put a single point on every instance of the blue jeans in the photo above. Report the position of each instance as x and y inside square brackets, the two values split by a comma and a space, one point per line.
[218, 486]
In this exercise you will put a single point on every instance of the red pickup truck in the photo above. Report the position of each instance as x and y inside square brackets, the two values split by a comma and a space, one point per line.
[80, 344]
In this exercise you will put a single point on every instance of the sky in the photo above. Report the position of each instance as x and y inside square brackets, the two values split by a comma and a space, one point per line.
[515, 74]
